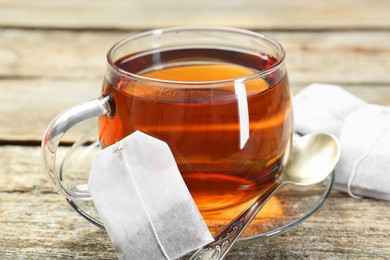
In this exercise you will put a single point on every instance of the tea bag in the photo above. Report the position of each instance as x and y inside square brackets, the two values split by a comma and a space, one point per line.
[363, 131]
[364, 167]
[143, 201]
[323, 108]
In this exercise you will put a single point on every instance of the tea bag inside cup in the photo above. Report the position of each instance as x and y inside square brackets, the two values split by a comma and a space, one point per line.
[364, 166]
[143, 201]
[323, 108]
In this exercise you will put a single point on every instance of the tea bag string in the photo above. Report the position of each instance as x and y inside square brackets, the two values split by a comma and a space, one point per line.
[119, 149]
[361, 159]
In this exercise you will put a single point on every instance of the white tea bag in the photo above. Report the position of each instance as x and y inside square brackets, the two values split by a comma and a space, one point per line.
[143, 201]
[364, 166]
[323, 108]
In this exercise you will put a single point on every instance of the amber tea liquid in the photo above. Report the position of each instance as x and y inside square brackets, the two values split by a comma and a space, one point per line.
[200, 121]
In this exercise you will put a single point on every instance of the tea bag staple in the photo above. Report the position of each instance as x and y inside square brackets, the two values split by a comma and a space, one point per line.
[143, 201]
[364, 133]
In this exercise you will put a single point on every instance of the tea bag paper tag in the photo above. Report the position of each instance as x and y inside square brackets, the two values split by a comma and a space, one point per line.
[143, 201]
[323, 108]
[364, 166]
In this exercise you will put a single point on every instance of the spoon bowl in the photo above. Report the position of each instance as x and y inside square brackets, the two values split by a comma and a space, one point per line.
[312, 159]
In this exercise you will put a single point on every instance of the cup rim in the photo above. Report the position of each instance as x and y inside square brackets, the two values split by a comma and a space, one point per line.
[155, 81]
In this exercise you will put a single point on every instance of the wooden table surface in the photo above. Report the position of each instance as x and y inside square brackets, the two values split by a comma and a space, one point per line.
[52, 56]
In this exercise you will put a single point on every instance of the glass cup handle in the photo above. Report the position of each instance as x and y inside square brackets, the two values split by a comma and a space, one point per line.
[57, 128]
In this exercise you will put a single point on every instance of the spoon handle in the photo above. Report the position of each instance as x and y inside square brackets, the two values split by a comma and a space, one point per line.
[225, 239]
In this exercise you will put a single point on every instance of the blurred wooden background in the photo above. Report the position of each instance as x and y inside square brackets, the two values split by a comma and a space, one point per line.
[52, 56]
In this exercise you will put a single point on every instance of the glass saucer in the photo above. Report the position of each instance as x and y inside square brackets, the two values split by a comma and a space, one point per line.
[289, 207]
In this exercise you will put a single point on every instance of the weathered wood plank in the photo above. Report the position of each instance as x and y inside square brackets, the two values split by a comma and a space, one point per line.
[21, 170]
[256, 14]
[28, 105]
[36, 226]
[54, 54]
[349, 57]
[345, 57]
[36, 223]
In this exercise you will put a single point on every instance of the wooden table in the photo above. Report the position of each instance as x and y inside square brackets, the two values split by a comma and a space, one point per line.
[52, 55]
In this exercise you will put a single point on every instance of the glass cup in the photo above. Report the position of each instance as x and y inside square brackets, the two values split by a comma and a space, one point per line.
[219, 97]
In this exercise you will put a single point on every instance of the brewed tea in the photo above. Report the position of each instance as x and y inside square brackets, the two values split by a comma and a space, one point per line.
[192, 106]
